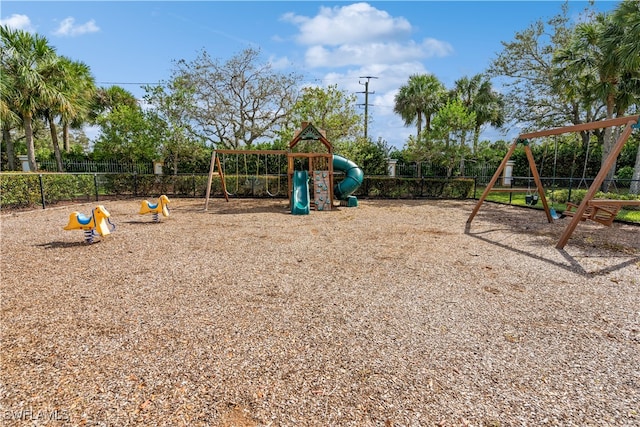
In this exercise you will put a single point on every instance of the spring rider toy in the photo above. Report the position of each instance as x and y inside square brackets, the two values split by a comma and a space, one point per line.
[96, 224]
[155, 208]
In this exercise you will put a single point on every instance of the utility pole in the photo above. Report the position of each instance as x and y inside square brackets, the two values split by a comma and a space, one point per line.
[366, 101]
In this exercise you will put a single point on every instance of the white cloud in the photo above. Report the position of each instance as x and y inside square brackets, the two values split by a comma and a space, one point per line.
[360, 35]
[389, 77]
[358, 22]
[18, 22]
[383, 122]
[282, 63]
[375, 53]
[69, 28]
[360, 40]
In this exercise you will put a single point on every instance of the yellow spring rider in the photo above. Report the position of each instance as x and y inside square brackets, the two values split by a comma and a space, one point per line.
[155, 208]
[96, 224]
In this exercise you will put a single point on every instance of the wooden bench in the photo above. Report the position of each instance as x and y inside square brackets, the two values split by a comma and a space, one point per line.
[603, 211]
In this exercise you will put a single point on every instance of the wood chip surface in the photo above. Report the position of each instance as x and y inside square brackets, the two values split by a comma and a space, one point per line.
[386, 314]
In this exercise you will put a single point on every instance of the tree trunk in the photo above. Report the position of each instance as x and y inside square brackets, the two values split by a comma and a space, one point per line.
[607, 146]
[28, 136]
[65, 137]
[634, 188]
[8, 142]
[56, 145]
[476, 139]
[175, 163]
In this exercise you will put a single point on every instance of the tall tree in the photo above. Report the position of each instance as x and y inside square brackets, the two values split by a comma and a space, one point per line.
[526, 70]
[105, 100]
[451, 125]
[478, 96]
[621, 38]
[74, 82]
[239, 102]
[420, 98]
[446, 143]
[79, 87]
[595, 51]
[172, 103]
[129, 134]
[8, 117]
[329, 109]
[30, 63]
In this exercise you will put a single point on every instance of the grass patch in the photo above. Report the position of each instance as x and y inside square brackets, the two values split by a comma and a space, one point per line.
[630, 214]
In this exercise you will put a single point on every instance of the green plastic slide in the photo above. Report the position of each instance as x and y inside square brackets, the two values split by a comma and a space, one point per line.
[300, 204]
[353, 177]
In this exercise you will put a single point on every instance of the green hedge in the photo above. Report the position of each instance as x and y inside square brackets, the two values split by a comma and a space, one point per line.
[562, 196]
[23, 190]
[403, 188]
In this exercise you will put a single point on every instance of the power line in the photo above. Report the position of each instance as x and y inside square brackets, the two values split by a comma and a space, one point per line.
[132, 83]
[366, 101]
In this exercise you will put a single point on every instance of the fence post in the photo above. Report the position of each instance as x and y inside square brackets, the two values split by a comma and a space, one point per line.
[570, 185]
[510, 193]
[95, 184]
[475, 186]
[41, 190]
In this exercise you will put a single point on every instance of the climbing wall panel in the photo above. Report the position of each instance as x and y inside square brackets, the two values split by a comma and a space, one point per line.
[321, 195]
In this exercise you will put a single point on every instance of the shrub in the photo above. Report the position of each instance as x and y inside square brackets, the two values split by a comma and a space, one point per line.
[625, 173]
[23, 190]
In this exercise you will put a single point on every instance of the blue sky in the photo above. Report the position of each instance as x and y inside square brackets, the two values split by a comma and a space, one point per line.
[135, 43]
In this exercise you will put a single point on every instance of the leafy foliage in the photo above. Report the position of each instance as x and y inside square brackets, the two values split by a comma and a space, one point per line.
[369, 156]
[129, 134]
[236, 103]
[20, 190]
[387, 187]
[328, 109]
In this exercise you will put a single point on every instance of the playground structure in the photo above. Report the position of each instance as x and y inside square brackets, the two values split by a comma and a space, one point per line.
[96, 224]
[602, 211]
[310, 175]
[160, 207]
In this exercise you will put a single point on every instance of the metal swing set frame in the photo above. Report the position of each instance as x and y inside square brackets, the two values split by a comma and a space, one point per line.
[599, 210]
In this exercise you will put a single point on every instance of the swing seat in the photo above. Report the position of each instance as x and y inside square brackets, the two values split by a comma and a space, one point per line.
[572, 209]
[531, 199]
[597, 210]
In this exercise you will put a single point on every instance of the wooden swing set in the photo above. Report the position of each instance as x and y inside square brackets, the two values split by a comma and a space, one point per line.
[216, 167]
[318, 164]
[602, 211]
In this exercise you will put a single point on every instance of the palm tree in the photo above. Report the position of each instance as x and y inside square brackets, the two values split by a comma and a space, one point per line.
[598, 53]
[8, 117]
[79, 85]
[478, 96]
[420, 97]
[29, 62]
[106, 99]
[60, 78]
[620, 38]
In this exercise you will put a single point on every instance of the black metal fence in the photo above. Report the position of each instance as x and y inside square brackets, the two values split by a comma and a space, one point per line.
[483, 171]
[86, 166]
[28, 190]
[411, 180]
